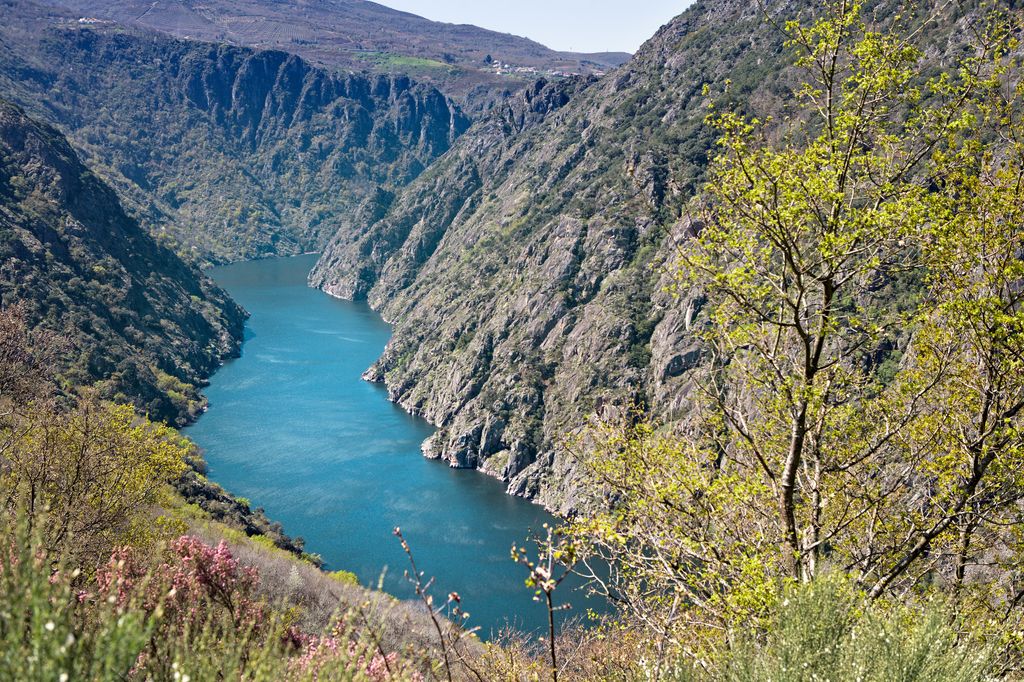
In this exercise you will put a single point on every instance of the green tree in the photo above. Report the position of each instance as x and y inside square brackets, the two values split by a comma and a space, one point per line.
[859, 403]
[94, 471]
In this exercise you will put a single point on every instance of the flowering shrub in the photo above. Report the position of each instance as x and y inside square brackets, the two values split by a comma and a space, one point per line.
[210, 623]
[338, 651]
[196, 579]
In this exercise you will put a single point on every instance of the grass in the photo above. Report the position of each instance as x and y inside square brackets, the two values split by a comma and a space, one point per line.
[401, 62]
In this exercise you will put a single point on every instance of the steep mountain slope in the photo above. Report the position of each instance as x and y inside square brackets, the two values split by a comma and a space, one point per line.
[351, 34]
[230, 152]
[137, 320]
[522, 270]
[380, 247]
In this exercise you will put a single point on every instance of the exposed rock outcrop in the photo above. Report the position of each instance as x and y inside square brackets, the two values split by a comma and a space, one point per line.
[525, 272]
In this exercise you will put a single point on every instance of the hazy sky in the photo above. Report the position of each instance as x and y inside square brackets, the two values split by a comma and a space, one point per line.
[578, 25]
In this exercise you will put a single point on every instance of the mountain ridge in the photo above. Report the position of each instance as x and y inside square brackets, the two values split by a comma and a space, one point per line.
[356, 34]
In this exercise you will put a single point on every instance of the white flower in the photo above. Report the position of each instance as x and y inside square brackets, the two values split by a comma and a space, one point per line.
[49, 626]
[63, 677]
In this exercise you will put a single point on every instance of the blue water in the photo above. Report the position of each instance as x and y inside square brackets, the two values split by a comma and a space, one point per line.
[292, 427]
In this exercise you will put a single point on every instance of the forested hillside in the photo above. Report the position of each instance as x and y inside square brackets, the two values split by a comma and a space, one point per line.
[227, 152]
[133, 319]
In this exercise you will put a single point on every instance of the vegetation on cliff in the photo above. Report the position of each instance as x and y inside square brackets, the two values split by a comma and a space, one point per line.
[135, 321]
[858, 411]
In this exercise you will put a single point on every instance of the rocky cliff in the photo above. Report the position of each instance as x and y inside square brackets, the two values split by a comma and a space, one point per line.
[228, 152]
[523, 270]
[138, 323]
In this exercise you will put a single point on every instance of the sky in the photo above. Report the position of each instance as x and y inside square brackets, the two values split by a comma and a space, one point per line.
[568, 25]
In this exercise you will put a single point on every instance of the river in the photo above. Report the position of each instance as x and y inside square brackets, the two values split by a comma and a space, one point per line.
[293, 428]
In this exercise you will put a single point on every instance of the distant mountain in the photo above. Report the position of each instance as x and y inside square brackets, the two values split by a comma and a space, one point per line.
[140, 324]
[352, 34]
[228, 152]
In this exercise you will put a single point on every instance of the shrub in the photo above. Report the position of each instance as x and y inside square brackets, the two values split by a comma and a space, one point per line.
[344, 577]
[826, 631]
[193, 616]
[47, 632]
[94, 469]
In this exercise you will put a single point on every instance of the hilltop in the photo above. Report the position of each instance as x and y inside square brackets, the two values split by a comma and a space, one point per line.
[356, 34]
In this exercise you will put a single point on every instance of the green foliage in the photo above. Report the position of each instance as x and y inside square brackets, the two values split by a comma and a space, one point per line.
[344, 577]
[47, 633]
[392, 62]
[184, 398]
[826, 631]
[811, 445]
[93, 470]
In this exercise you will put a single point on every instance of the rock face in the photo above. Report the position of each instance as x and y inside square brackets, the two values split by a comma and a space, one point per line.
[523, 270]
[382, 245]
[139, 323]
[526, 272]
[229, 152]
